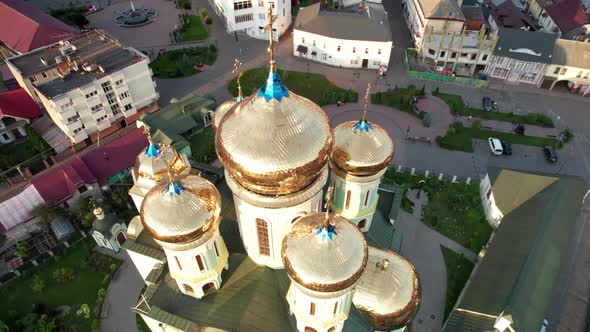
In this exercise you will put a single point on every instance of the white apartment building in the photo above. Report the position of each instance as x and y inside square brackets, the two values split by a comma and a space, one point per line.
[570, 66]
[249, 16]
[521, 57]
[436, 13]
[90, 85]
[346, 38]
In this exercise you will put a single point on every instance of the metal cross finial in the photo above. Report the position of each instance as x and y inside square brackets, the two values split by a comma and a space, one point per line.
[367, 95]
[329, 194]
[92, 203]
[237, 65]
[147, 131]
[164, 148]
[271, 42]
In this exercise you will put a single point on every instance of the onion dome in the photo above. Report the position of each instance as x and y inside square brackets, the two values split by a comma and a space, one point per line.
[181, 211]
[151, 164]
[361, 148]
[388, 292]
[324, 252]
[275, 142]
[222, 109]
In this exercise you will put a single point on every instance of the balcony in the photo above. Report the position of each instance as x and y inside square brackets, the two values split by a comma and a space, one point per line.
[67, 113]
[98, 114]
[74, 125]
[93, 101]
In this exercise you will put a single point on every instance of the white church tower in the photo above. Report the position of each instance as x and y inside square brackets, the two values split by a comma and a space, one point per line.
[324, 256]
[275, 147]
[183, 216]
[362, 152]
[150, 168]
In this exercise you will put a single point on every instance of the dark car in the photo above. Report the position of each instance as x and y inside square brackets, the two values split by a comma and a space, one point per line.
[550, 154]
[488, 104]
[506, 148]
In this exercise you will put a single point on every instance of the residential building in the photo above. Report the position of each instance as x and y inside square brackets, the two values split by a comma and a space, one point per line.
[17, 109]
[515, 283]
[521, 57]
[570, 65]
[508, 15]
[176, 123]
[562, 16]
[438, 14]
[249, 16]
[90, 85]
[343, 38]
[24, 27]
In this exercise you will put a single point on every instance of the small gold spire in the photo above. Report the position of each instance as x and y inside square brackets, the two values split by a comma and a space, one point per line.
[271, 42]
[329, 194]
[367, 95]
[237, 65]
[164, 148]
[147, 131]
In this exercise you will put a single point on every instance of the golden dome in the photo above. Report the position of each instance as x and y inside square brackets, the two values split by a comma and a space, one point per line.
[388, 292]
[324, 258]
[361, 148]
[151, 164]
[274, 142]
[181, 212]
[222, 109]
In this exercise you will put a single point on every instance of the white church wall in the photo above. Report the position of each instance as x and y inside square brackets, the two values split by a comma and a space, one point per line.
[320, 311]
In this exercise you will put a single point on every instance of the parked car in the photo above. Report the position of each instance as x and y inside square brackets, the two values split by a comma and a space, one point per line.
[495, 146]
[550, 154]
[488, 104]
[506, 148]
[545, 326]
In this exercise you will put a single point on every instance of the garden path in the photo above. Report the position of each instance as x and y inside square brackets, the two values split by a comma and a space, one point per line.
[421, 245]
[121, 296]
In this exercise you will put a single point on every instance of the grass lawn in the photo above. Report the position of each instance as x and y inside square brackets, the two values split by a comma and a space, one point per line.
[192, 30]
[459, 138]
[399, 98]
[181, 63]
[458, 271]
[315, 87]
[203, 146]
[453, 209]
[458, 107]
[14, 153]
[19, 299]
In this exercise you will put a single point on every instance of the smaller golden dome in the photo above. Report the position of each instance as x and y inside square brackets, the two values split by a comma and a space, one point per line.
[151, 165]
[361, 148]
[324, 256]
[182, 211]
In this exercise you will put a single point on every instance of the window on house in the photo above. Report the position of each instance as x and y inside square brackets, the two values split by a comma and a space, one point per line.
[119, 82]
[82, 189]
[500, 72]
[242, 5]
[102, 118]
[33, 79]
[96, 108]
[442, 54]
[354, 50]
[484, 57]
[216, 249]
[116, 109]
[431, 51]
[464, 55]
[366, 51]
[312, 309]
[91, 94]
[528, 77]
[563, 71]
[124, 95]
[377, 63]
[302, 40]
[106, 86]
[339, 48]
[44, 74]
[263, 244]
[354, 62]
[128, 107]
[6, 137]
[200, 263]
[453, 55]
[473, 56]
[556, 71]
[313, 43]
[335, 307]
[347, 199]
[244, 18]
[489, 193]
[73, 118]
[367, 197]
[272, 5]
[379, 51]
[178, 263]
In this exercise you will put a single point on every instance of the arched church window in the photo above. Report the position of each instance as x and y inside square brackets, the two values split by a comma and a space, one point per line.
[178, 263]
[200, 263]
[367, 197]
[310, 329]
[347, 199]
[362, 223]
[263, 244]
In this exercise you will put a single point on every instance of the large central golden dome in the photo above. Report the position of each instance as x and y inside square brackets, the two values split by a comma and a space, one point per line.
[274, 142]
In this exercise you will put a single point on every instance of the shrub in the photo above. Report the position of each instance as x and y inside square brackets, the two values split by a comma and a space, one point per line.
[63, 274]
[37, 285]
[203, 12]
[451, 131]
[212, 48]
[208, 20]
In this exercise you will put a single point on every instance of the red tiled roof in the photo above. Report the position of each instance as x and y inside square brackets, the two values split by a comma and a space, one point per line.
[116, 156]
[17, 103]
[567, 14]
[59, 184]
[24, 27]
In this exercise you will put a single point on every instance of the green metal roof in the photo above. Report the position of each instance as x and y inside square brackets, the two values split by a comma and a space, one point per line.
[519, 271]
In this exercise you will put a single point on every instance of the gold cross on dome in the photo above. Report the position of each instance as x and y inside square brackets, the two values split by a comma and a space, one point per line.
[147, 131]
[329, 194]
[367, 95]
[163, 149]
[237, 65]
[271, 42]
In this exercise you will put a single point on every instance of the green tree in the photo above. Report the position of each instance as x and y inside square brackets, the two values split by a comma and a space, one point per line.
[37, 285]
[47, 213]
[203, 12]
[62, 275]
[36, 139]
[22, 249]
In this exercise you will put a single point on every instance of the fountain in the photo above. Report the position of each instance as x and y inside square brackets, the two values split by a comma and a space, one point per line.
[135, 17]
